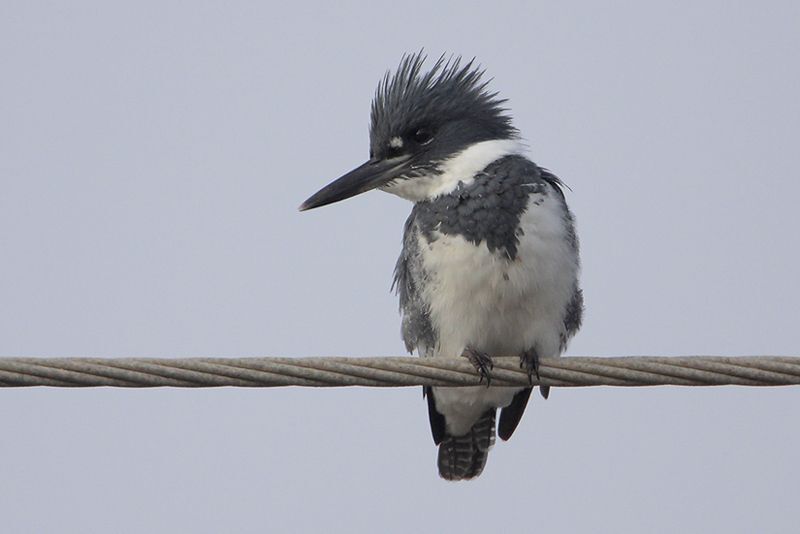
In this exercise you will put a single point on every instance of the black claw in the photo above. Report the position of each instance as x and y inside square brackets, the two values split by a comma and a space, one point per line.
[482, 362]
[529, 360]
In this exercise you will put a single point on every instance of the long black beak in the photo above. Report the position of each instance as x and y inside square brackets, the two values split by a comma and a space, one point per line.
[374, 173]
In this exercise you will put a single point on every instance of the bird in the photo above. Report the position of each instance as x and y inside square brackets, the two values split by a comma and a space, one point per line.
[490, 258]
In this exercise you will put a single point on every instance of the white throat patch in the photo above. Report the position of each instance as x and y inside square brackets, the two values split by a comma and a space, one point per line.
[460, 168]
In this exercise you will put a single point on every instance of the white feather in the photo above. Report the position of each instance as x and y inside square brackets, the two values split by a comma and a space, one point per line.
[460, 168]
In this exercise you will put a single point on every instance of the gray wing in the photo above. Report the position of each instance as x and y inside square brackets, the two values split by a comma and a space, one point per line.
[409, 274]
[573, 314]
[418, 333]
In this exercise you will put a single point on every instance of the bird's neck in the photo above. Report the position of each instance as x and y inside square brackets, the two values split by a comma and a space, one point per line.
[458, 169]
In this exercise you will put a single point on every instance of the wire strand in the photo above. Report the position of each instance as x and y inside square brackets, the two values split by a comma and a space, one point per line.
[397, 372]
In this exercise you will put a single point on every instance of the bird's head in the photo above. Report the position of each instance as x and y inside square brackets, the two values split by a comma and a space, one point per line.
[420, 122]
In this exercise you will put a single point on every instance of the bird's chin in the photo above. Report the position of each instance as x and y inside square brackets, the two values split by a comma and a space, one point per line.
[415, 189]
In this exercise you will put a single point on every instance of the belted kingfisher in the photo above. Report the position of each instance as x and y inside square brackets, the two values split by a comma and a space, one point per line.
[490, 262]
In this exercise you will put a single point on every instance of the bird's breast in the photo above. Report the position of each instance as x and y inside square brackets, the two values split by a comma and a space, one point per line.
[483, 298]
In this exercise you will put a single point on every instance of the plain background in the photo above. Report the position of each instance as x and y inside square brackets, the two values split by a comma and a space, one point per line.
[153, 154]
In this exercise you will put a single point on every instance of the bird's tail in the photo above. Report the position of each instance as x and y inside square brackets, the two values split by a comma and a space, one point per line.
[463, 457]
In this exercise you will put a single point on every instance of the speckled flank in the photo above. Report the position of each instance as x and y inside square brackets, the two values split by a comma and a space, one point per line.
[409, 273]
[573, 316]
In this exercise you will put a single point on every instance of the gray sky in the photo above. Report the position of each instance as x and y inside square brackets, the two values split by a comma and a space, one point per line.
[152, 156]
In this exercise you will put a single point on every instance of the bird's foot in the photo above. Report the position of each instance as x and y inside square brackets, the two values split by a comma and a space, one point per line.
[482, 363]
[529, 361]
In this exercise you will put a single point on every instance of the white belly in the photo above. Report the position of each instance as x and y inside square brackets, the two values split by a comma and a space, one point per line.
[481, 299]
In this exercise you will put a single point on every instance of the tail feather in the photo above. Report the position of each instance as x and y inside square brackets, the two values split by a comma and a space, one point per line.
[464, 457]
[511, 414]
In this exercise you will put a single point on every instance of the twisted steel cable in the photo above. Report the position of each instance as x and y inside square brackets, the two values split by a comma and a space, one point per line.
[397, 372]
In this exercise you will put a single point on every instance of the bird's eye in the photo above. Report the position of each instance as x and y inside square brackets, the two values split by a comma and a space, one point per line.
[423, 136]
